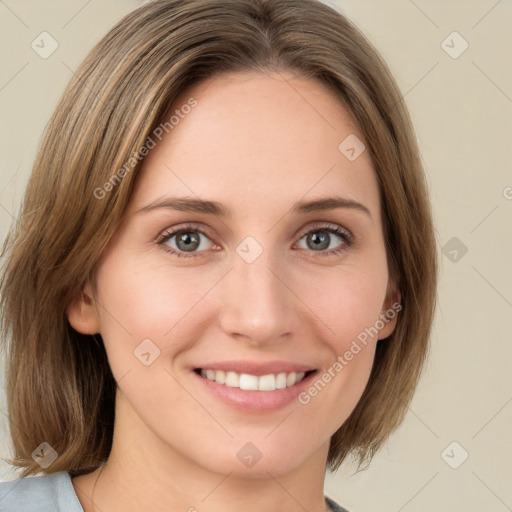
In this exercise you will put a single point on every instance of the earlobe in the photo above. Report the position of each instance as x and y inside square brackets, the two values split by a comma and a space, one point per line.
[390, 311]
[82, 314]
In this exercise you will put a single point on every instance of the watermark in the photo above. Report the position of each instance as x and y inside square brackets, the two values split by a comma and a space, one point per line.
[146, 352]
[249, 455]
[454, 249]
[351, 147]
[137, 156]
[454, 455]
[454, 45]
[44, 45]
[343, 360]
[249, 249]
[45, 455]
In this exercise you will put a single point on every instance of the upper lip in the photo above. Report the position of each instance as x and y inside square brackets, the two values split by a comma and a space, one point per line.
[257, 368]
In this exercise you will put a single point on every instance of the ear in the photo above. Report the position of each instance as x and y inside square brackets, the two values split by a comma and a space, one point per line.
[390, 309]
[82, 313]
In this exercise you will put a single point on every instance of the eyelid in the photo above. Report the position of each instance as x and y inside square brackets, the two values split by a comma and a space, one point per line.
[190, 226]
[318, 225]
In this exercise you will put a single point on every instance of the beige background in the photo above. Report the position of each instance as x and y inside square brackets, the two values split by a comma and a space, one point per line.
[462, 110]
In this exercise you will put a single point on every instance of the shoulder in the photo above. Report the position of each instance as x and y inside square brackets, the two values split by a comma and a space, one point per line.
[334, 506]
[46, 493]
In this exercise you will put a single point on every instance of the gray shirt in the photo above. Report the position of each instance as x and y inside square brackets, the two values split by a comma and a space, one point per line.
[55, 493]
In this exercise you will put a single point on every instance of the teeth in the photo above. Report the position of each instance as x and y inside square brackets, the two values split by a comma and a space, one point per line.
[219, 376]
[248, 382]
[265, 383]
[232, 380]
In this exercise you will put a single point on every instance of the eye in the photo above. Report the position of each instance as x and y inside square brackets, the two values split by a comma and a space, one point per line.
[320, 237]
[188, 240]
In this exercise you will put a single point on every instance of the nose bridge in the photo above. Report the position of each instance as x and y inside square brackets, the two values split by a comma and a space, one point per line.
[256, 304]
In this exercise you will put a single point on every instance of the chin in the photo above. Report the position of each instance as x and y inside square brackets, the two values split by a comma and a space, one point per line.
[275, 464]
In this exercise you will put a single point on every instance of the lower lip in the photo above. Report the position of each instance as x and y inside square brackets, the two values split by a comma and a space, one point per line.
[254, 401]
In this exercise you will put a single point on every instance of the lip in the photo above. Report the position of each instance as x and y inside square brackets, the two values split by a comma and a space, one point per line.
[254, 402]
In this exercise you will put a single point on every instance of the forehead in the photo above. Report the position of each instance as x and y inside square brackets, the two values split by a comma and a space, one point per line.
[254, 141]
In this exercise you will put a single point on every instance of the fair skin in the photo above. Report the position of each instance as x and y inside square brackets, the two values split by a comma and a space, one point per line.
[257, 144]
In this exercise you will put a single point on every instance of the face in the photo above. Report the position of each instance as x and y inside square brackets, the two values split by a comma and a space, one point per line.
[264, 294]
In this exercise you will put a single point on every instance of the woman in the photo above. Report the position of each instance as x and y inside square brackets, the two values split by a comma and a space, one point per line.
[223, 278]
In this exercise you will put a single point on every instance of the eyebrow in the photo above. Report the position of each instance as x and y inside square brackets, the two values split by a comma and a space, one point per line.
[219, 209]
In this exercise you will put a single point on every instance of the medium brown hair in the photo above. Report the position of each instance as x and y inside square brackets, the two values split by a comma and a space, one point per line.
[60, 388]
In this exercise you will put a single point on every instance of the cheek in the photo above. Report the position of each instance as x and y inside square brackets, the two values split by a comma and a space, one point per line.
[347, 306]
[346, 301]
[139, 301]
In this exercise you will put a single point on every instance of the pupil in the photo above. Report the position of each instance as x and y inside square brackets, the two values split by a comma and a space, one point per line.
[190, 242]
[320, 241]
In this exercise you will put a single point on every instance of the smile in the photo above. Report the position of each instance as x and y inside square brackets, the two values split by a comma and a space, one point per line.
[254, 387]
[248, 382]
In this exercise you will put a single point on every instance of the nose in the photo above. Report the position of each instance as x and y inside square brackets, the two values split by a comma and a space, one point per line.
[258, 304]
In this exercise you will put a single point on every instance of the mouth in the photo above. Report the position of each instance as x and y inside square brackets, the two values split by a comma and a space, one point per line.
[252, 386]
[249, 382]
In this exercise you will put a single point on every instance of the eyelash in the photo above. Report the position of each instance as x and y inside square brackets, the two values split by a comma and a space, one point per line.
[329, 228]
